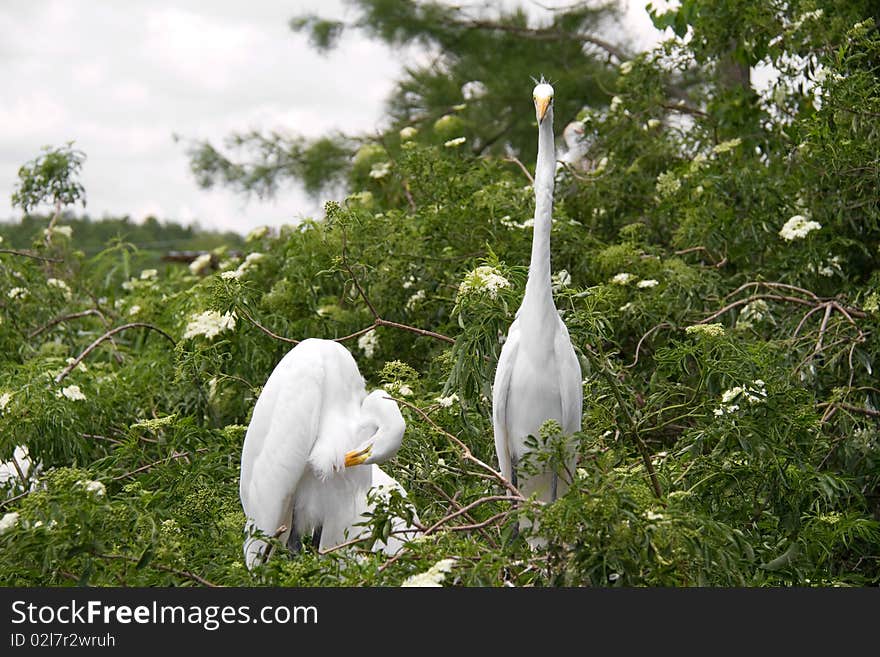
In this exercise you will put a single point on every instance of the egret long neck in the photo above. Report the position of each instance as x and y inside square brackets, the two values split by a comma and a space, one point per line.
[539, 296]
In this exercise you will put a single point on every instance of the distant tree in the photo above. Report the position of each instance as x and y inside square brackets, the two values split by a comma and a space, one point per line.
[476, 85]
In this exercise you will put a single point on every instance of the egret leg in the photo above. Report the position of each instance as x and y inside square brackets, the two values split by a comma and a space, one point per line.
[316, 536]
[294, 544]
[514, 534]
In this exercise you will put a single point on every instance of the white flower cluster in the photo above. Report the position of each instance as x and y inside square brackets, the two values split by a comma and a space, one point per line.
[754, 393]
[626, 67]
[17, 293]
[401, 389]
[829, 268]
[257, 233]
[434, 576]
[623, 278]
[5, 398]
[453, 143]
[510, 223]
[798, 227]
[96, 488]
[66, 231]
[368, 343]
[407, 133]
[560, 280]
[709, 330]
[380, 170]
[726, 146]
[446, 402]
[8, 521]
[249, 261]
[149, 274]
[72, 393]
[473, 90]
[667, 184]
[647, 283]
[483, 279]
[200, 264]
[209, 324]
[60, 285]
[414, 300]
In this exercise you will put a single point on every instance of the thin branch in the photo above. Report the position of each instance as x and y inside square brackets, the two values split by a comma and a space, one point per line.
[465, 509]
[515, 160]
[643, 338]
[65, 318]
[167, 459]
[264, 329]
[467, 454]
[28, 254]
[168, 569]
[109, 334]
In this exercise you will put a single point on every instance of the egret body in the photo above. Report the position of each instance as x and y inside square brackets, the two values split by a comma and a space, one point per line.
[538, 376]
[311, 452]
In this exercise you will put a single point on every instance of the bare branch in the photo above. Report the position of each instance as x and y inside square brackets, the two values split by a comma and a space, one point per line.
[65, 318]
[109, 334]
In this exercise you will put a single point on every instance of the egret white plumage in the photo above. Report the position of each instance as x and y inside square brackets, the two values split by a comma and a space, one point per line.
[577, 147]
[310, 454]
[538, 376]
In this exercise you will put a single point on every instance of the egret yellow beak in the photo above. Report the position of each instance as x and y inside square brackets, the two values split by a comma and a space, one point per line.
[541, 106]
[357, 457]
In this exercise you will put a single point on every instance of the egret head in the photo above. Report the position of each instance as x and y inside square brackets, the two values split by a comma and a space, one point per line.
[381, 411]
[543, 97]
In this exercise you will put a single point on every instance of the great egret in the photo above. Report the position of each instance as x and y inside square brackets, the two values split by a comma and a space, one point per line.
[577, 147]
[538, 376]
[309, 457]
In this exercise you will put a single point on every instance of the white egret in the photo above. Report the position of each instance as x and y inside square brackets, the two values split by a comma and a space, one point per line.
[538, 376]
[577, 147]
[309, 457]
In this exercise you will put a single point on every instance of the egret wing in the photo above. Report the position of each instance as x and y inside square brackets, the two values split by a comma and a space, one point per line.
[500, 396]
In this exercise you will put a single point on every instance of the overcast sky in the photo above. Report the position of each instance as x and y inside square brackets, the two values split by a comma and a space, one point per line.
[121, 78]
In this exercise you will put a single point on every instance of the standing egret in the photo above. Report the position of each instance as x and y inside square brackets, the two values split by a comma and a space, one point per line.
[309, 457]
[538, 376]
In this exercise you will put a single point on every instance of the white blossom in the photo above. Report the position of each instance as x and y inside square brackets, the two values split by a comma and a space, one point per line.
[95, 487]
[652, 123]
[257, 233]
[414, 300]
[19, 463]
[753, 393]
[380, 170]
[407, 133]
[409, 282]
[200, 264]
[560, 280]
[473, 89]
[134, 310]
[66, 231]
[648, 282]
[625, 68]
[711, 330]
[8, 521]
[59, 284]
[616, 102]
[209, 324]
[17, 293]
[483, 279]
[452, 143]
[5, 398]
[231, 275]
[446, 402]
[149, 274]
[798, 227]
[72, 392]
[434, 576]
[622, 278]
[667, 184]
[368, 343]
[726, 146]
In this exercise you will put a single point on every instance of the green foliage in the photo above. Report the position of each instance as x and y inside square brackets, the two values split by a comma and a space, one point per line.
[716, 266]
[50, 177]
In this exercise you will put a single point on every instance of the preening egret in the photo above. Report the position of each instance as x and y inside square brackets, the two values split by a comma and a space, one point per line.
[538, 376]
[310, 452]
[577, 147]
